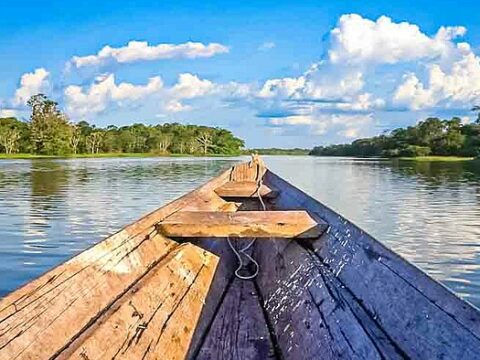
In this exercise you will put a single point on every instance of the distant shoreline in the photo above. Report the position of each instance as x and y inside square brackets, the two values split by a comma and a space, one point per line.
[107, 155]
[438, 158]
[23, 156]
[417, 158]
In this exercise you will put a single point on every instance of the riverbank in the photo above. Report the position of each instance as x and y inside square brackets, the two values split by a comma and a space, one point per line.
[277, 151]
[103, 155]
[438, 158]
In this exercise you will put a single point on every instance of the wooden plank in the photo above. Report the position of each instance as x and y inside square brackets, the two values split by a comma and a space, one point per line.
[423, 318]
[260, 224]
[230, 207]
[309, 321]
[245, 189]
[155, 319]
[239, 331]
[248, 171]
[223, 277]
[53, 313]
[345, 315]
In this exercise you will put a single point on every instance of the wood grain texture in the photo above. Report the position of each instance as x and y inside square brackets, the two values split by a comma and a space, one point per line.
[155, 319]
[260, 224]
[245, 189]
[223, 277]
[308, 319]
[421, 317]
[253, 170]
[49, 316]
[239, 331]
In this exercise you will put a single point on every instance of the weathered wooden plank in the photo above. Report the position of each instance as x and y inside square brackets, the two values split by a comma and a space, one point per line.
[223, 277]
[309, 321]
[260, 224]
[239, 331]
[339, 307]
[423, 318]
[55, 312]
[248, 171]
[155, 319]
[230, 207]
[245, 189]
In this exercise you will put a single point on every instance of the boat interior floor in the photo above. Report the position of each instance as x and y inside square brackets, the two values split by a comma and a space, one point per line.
[294, 308]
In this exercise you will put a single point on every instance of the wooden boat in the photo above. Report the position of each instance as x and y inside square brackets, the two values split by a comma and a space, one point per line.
[165, 287]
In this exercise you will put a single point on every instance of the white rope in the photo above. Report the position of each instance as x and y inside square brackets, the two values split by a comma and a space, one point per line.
[239, 253]
[241, 264]
[260, 184]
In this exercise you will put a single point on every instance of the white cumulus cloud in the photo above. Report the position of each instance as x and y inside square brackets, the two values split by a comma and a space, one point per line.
[455, 84]
[190, 86]
[31, 84]
[283, 88]
[359, 40]
[103, 92]
[142, 51]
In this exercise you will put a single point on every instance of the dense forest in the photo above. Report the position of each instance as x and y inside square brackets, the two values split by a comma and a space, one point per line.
[49, 132]
[430, 137]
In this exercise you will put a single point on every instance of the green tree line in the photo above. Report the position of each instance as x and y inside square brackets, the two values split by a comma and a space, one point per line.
[432, 136]
[49, 132]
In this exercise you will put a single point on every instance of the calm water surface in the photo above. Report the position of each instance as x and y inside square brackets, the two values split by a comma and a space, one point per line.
[427, 212]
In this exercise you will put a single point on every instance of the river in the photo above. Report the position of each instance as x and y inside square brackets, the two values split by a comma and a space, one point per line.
[429, 212]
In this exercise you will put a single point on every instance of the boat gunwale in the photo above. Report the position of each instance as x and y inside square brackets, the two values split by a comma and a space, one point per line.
[463, 306]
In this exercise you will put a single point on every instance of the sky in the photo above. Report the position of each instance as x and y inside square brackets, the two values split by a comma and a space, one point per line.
[275, 73]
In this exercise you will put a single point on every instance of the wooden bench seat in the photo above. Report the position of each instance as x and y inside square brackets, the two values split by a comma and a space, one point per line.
[245, 189]
[241, 224]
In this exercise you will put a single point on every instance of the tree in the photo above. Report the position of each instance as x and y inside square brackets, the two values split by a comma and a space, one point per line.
[204, 138]
[13, 134]
[431, 136]
[50, 131]
[93, 142]
[9, 139]
[161, 141]
[225, 143]
[75, 139]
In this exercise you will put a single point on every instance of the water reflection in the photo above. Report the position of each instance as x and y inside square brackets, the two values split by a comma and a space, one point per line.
[439, 173]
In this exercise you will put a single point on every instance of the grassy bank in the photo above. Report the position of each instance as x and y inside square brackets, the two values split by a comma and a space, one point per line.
[276, 151]
[102, 155]
[437, 158]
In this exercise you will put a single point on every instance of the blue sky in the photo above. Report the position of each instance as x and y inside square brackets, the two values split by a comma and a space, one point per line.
[276, 73]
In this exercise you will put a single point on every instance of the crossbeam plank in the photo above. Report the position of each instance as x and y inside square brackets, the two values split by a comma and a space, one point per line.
[245, 189]
[260, 224]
